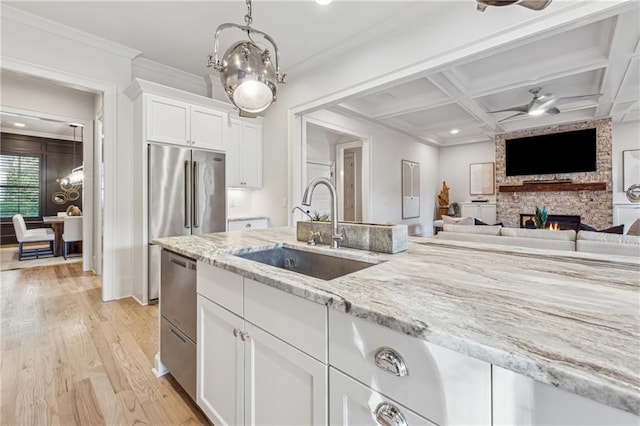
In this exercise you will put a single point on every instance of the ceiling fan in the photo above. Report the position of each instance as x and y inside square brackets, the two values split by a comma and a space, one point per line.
[544, 104]
[529, 4]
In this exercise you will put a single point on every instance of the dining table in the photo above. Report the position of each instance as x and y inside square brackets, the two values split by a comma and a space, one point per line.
[57, 224]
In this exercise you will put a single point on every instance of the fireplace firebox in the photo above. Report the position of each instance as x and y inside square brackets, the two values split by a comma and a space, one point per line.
[554, 221]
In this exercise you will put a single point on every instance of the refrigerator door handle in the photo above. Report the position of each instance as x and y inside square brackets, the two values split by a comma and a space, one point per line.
[196, 194]
[187, 215]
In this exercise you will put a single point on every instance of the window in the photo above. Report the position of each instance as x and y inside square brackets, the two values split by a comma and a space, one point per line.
[19, 186]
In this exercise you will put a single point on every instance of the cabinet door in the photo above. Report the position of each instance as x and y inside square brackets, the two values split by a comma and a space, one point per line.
[252, 155]
[167, 120]
[233, 148]
[469, 210]
[206, 128]
[353, 404]
[283, 386]
[220, 364]
[488, 213]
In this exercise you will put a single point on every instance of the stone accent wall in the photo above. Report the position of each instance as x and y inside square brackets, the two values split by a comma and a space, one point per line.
[594, 207]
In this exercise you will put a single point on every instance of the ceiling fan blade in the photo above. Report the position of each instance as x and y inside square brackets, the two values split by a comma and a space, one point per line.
[519, 109]
[553, 111]
[567, 99]
[534, 4]
[512, 116]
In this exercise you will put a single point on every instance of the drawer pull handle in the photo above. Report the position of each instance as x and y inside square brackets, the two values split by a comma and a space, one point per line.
[391, 361]
[389, 415]
[175, 333]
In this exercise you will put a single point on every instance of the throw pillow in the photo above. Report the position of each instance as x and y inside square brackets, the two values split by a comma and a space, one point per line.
[613, 230]
[635, 228]
[479, 222]
[466, 220]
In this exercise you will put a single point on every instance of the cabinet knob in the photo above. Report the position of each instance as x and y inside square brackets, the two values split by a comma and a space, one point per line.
[391, 361]
[244, 336]
[236, 331]
[248, 225]
[193, 142]
[388, 414]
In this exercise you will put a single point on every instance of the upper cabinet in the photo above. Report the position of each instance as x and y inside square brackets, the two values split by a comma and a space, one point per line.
[181, 123]
[243, 145]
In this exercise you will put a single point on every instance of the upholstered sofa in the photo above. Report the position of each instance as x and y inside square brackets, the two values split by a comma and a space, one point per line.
[585, 241]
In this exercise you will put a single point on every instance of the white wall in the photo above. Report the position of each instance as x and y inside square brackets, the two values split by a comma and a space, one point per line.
[625, 137]
[388, 149]
[453, 165]
[40, 48]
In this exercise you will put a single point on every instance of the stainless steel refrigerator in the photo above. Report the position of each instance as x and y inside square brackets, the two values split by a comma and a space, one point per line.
[187, 196]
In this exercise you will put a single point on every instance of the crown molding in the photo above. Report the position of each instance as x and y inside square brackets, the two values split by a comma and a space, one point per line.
[146, 68]
[27, 19]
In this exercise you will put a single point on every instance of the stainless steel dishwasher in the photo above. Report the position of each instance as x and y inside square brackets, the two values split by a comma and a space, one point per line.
[178, 319]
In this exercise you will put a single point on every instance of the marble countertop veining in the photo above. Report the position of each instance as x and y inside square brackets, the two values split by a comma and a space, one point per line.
[561, 318]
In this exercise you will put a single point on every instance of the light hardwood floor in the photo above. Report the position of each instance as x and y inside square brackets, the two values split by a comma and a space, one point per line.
[67, 358]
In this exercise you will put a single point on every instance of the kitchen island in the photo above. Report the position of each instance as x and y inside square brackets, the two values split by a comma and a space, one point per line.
[561, 318]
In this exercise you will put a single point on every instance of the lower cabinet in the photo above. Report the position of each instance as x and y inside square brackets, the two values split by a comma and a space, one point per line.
[353, 403]
[248, 376]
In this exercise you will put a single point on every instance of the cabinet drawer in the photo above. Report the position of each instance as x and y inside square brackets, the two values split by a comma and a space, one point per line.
[439, 384]
[178, 354]
[297, 321]
[246, 225]
[220, 286]
[354, 404]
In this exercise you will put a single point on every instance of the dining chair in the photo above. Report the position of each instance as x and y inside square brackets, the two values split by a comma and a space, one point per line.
[39, 235]
[72, 232]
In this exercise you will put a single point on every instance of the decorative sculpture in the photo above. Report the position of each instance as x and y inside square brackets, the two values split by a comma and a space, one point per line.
[443, 196]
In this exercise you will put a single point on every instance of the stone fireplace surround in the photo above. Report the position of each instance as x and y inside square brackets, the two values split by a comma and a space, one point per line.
[595, 207]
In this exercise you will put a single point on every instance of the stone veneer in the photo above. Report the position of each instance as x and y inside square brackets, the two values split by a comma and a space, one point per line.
[594, 207]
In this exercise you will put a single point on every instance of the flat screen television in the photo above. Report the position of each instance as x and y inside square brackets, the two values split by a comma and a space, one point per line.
[567, 152]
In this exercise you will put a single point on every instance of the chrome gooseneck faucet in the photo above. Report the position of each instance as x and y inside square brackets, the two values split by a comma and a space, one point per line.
[336, 236]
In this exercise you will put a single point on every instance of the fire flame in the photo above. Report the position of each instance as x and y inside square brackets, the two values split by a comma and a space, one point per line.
[554, 226]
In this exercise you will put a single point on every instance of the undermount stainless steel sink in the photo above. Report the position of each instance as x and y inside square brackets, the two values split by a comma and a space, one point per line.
[317, 265]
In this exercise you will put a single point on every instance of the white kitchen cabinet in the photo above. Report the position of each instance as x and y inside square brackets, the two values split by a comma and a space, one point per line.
[274, 368]
[220, 364]
[180, 123]
[522, 401]
[486, 212]
[243, 145]
[247, 224]
[247, 375]
[436, 383]
[354, 404]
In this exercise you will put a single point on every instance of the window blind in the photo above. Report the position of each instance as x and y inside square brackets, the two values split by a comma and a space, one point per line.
[19, 186]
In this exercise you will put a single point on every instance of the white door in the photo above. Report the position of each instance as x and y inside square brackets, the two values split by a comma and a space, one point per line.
[220, 364]
[283, 386]
[207, 127]
[321, 200]
[353, 404]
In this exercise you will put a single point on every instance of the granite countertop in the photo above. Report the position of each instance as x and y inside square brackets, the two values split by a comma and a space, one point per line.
[561, 318]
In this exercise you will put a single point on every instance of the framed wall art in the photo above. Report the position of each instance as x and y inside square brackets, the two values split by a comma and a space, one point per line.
[481, 178]
[630, 168]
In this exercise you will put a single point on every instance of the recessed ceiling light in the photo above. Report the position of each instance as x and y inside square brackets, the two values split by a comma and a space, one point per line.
[323, 2]
[454, 131]
[19, 124]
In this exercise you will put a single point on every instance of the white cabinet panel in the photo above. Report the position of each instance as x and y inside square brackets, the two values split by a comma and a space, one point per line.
[243, 145]
[246, 225]
[223, 287]
[220, 364]
[353, 404]
[298, 321]
[207, 126]
[486, 212]
[625, 214]
[442, 385]
[521, 401]
[167, 120]
[283, 385]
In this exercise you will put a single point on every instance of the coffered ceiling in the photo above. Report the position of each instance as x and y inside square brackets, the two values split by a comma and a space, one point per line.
[595, 57]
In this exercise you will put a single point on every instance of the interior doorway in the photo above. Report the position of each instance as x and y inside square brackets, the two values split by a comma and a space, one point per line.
[51, 108]
[329, 144]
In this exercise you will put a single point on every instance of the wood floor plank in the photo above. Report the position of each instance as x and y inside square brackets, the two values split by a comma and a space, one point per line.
[67, 358]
